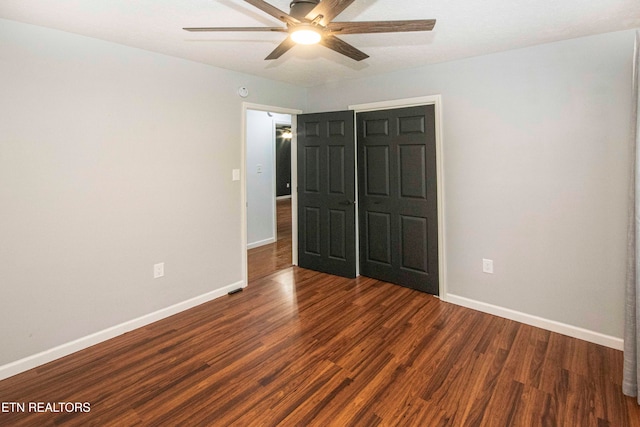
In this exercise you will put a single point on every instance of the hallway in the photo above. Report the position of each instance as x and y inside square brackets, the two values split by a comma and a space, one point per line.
[268, 259]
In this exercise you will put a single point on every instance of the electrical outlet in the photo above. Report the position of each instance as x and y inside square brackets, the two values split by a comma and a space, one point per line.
[487, 266]
[259, 168]
[158, 270]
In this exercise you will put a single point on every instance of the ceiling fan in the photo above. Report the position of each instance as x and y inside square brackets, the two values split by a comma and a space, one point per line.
[310, 22]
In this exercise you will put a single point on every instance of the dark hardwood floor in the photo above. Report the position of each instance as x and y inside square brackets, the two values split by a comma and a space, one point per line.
[301, 348]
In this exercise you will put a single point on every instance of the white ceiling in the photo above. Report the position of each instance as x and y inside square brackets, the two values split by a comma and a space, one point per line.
[464, 28]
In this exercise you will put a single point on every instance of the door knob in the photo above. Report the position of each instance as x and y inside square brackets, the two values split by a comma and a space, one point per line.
[346, 203]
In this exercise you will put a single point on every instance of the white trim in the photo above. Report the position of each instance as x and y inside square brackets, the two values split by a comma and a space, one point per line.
[529, 319]
[397, 103]
[47, 356]
[243, 173]
[435, 100]
[274, 191]
[261, 243]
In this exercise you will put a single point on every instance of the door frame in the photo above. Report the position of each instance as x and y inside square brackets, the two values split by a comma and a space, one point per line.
[243, 179]
[436, 101]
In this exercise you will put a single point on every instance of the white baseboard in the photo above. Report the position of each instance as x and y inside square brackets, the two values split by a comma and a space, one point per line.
[528, 319]
[288, 196]
[261, 243]
[47, 356]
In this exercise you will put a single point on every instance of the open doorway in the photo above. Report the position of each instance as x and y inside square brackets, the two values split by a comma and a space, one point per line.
[283, 137]
[268, 137]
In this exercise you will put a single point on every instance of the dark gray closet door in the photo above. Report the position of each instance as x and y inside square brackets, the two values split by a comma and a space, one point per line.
[326, 193]
[397, 197]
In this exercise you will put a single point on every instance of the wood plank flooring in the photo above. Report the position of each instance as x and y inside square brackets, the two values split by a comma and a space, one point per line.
[266, 259]
[301, 348]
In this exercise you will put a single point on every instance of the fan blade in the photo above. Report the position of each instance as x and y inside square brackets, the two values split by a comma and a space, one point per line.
[281, 49]
[329, 9]
[381, 26]
[203, 29]
[342, 47]
[273, 11]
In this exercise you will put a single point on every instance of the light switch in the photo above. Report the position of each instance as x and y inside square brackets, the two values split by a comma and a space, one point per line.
[235, 175]
[259, 169]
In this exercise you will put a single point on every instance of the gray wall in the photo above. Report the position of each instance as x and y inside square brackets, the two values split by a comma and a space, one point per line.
[261, 199]
[535, 157]
[113, 159]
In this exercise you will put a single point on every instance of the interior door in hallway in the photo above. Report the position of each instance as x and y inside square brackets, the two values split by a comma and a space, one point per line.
[326, 193]
[397, 197]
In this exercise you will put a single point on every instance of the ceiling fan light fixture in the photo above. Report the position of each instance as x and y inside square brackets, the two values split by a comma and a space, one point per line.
[306, 34]
[311, 22]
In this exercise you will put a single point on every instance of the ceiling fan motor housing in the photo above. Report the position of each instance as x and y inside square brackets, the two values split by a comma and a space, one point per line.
[300, 8]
